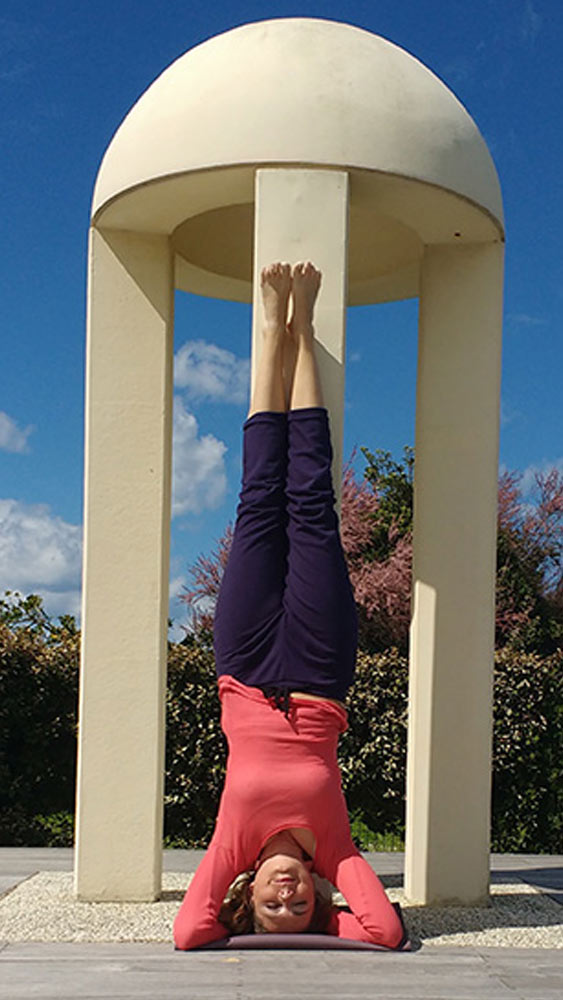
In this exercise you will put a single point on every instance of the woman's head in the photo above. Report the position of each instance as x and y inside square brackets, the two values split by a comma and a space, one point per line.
[280, 897]
[283, 895]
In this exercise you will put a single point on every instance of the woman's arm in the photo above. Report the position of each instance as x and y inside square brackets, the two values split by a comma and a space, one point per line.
[197, 921]
[373, 918]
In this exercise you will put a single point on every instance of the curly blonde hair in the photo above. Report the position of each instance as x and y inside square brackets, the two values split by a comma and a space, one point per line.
[237, 911]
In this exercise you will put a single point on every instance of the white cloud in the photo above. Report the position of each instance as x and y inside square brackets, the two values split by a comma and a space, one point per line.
[55, 603]
[198, 469]
[525, 319]
[12, 437]
[531, 22]
[62, 602]
[176, 587]
[507, 413]
[176, 632]
[459, 69]
[206, 371]
[528, 480]
[41, 554]
[176, 608]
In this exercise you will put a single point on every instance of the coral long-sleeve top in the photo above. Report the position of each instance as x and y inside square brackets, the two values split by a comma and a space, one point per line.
[282, 772]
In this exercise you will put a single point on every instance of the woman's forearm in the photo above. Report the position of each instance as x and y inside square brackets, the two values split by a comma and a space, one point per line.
[197, 922]
[373, 918]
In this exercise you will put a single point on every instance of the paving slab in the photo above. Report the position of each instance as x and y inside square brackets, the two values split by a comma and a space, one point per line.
[124, 972]
[529, 973]
[18, 863]
[32, 859]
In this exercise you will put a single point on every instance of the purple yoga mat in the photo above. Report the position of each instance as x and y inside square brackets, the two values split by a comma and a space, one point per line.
[296, 941]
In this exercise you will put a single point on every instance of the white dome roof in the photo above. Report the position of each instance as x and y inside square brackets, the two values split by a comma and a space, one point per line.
[304, 92]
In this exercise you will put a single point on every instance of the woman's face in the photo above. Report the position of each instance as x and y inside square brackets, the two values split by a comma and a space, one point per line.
[283, 894]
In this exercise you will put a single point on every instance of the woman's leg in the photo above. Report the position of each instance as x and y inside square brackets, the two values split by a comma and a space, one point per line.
[306, 390]
[320, 614]
[250, 604]
[268, 394]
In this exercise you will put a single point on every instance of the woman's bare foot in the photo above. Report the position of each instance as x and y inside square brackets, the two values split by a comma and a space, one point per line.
[275, 282]
[306, 281]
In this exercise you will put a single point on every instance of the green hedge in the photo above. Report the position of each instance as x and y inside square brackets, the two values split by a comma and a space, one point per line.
[527, 792]
[38, 698]
[195, 747]
[527, 800]
[38, 694]
[372, 752]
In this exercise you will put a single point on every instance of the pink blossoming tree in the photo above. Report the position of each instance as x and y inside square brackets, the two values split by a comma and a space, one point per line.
[376, 532]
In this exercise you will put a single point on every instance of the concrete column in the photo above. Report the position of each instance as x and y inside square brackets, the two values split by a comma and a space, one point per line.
[452, 636]
[126, 567]
[303, 215]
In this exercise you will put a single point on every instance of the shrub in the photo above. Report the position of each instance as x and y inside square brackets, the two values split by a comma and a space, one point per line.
[38, 696]
[527, 792]
[527, 782]
[38, 688]
[58, 828]
[527, 798]
[195, 745]
[372, 752]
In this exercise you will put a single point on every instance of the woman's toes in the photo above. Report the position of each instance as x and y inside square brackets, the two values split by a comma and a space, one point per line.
[276, 289]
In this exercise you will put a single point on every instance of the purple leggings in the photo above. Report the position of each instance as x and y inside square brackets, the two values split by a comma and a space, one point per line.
[285, 617]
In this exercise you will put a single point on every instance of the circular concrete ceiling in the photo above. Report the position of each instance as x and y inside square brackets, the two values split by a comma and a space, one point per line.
[183, 162]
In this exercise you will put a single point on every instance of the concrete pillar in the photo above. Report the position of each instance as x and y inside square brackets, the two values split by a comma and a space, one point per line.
[303, 215]
[126, 567]
[452, 636]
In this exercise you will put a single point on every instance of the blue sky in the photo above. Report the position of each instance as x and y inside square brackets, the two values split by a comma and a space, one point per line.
[69, 73]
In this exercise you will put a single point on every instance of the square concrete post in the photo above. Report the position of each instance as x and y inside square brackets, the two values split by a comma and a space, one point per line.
[452, 636]
[303, 215]
[126, 567]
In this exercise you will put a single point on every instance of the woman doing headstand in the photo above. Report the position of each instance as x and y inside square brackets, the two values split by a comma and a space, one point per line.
[285, 643]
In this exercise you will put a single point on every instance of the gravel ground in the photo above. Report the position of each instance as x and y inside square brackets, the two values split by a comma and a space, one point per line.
[43, 908]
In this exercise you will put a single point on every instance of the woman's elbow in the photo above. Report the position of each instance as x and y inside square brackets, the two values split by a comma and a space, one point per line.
[182, 940]
[395, 937]
[390, 934]
[395, 932]
[186, 936]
